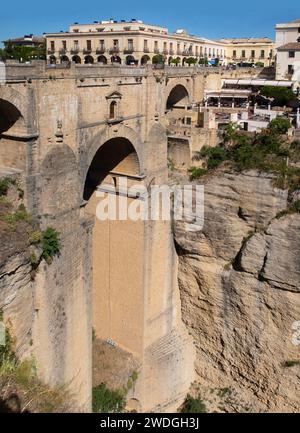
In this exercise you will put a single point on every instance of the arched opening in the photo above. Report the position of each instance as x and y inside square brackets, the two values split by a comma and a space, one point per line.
[178, 97]
[88, 60]
[52, 60]
[145, 59]
[117, 247]
[12, 128]
[112, 109]
[130, 60]
[116, 59]
[183, 61]
[102, 59]
[170, 60]
[76, 59]
[64, 59]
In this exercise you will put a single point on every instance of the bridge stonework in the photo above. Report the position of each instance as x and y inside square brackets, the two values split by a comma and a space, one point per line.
[118, 276]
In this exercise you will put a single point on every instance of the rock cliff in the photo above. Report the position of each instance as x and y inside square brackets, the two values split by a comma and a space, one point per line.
[240, 280]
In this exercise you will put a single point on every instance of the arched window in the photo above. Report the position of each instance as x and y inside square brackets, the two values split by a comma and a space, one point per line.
[112, 109]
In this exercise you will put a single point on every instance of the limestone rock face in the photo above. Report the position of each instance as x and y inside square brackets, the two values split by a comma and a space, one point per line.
[240, 279]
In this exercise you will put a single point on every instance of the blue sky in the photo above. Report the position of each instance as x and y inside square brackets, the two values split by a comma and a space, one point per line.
[208, 18]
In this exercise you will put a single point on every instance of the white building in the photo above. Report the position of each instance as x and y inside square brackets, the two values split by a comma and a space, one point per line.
[288, 51]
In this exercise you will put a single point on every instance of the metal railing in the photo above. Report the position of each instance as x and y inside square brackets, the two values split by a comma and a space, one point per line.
[100, 50]
[129, 50]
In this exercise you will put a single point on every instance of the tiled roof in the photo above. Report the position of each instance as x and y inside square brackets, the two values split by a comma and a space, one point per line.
[290, 46]
[247, 40]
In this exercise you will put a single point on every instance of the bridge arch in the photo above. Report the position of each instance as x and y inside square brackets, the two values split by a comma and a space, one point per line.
[117, 247]
[178, 95]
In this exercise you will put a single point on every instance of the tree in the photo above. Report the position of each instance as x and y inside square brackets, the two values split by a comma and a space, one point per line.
[281, 95]
[203, 61]
[158, 59]
[191, 61]
[176, 61]
[280, 125]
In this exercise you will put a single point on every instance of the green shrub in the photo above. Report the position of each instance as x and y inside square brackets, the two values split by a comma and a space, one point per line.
[214, 156]
[50, 243]
[4, 184]
[35, 237]
[281, 95]
[196, 172]
[193, 405]
[280, 125]
[106, 400]
[291, 363]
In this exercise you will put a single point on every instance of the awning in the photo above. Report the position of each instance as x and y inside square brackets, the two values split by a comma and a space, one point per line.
[258, 82]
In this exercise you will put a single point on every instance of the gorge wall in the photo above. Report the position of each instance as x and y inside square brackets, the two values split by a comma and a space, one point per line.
[240, 280]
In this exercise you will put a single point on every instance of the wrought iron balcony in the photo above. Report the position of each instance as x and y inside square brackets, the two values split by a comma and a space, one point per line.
[165, 51]
[62, 51]
[129, 50]
[100, 50]
[75, 50]
[87, 50]
[114, 50]
[156, 50]
[50, 51]
[146, 50]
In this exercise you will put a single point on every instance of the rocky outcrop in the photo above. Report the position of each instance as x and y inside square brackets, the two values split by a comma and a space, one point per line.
[239, 280]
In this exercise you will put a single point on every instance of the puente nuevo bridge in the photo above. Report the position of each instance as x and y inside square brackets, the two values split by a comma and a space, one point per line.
[67, 132]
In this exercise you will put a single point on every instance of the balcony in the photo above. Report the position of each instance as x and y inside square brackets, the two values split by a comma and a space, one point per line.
[165, 51]
[179, 53]
[129, 50]
[171, 52]
[75, 50]
[114, 50]
[156, 50]
[146, 50]
[87, 50]
[62, 51]
[50, 51]
[100, 50]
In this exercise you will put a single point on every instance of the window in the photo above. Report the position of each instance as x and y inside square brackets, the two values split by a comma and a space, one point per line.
[145, 44]
[262, 54]
[271, 54]
[243, 54]
[101, 43]
[64, 45]
[290, 69]
[52, 45]
[89, 45]
[112, 109]
[116, 43]
[291, 54]
[130, 44]
[253, 54]
[234, 54]
[298, 29]
[76, 45]
[156, 44]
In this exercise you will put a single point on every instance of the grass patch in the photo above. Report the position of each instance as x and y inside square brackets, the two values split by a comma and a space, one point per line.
[196, 172]
[291, 363]
[105, 400]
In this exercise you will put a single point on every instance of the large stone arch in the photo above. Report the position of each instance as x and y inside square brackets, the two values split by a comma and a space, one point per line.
[94, 141]
[22, 104]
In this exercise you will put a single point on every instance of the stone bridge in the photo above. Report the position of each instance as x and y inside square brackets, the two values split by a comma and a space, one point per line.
[72, 132]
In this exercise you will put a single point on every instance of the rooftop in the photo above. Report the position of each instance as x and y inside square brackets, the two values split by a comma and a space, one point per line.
[290, 46]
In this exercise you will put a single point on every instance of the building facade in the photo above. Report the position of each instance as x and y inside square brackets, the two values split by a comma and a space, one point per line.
[288, 51]
[137, 43]
[260, 51]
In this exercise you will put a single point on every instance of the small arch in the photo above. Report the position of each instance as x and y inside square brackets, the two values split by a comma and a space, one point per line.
[145, 59]
[112, 109]
[76, 59]
[88, 60]
[102, 59]
[116, 59]
[52, 60]
[178, 96]
[64, 59]
[130, 60]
